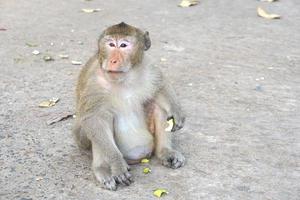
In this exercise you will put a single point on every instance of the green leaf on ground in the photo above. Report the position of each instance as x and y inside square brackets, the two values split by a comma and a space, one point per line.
[49, 103]
[160, 192]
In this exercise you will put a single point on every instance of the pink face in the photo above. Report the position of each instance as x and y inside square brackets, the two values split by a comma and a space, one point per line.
[119, 51]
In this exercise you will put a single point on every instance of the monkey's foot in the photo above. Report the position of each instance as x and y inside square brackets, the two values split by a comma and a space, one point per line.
[110, 181]
[125, 178]
[172, 158]
[109, 184]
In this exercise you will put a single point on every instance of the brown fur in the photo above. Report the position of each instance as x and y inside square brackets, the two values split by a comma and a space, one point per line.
[124, 120]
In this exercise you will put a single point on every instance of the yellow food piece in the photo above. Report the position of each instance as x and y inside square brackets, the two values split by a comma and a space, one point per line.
[160, 192]
[170, 125]
[76, 62]
[188, 3]
[88, 10]
[268, 0]
[48, 103]
[146, 170]
[145, 160]
[264, 14]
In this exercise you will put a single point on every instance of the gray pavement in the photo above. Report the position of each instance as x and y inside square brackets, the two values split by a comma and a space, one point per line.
[236, 74]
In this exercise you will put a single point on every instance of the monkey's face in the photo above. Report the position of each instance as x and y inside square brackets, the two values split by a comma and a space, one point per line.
[121, 49]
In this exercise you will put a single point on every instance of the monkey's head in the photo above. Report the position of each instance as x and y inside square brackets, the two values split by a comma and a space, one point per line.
[121, 48]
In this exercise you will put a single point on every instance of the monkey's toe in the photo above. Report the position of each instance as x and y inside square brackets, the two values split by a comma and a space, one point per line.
[125, 178]
[110, 184]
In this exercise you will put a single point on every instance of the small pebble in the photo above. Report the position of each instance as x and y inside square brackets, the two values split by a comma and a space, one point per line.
[258, 88]
[48, 58]
[76, 62]
[64, 56]
[163, 60]
[35, 52]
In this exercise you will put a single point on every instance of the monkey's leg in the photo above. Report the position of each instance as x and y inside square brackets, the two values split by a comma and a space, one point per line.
[108, 165]
[80, 137]
[163, 141]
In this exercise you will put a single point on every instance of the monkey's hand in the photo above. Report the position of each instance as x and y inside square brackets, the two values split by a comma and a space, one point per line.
[110, 175]
[171, 158]
[179, 118]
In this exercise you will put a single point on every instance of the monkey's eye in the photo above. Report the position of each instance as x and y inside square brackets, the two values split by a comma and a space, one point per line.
[123, 45]
[111, 44]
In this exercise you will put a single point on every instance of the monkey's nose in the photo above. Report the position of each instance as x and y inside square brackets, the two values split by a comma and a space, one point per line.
[113, 61]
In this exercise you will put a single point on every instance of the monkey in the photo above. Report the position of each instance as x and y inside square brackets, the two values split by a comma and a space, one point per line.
[122, 105]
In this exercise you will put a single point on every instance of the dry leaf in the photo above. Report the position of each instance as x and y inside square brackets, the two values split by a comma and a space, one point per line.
[60, 117]
[163, 59]
[188, 3]
[48, 103]
[160, 192]
[35, 52]
[268, 0]
[146, 170]
[31, 44]
[264, 14]
[89, 10]
[170, 124]
[39, 178]
[172, 47]
[48, 58]
[63, 56]
[145, 160]
[76, 62]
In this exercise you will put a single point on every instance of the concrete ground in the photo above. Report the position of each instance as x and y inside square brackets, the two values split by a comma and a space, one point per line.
[236, 74]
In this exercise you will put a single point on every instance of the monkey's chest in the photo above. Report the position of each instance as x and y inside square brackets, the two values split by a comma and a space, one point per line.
[131, 134]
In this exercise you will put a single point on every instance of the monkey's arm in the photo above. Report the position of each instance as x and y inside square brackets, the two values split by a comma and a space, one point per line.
[166, 99]
[163, 140]
[108, 164]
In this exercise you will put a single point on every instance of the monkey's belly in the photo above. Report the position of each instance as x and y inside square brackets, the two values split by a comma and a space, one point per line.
[132, 137]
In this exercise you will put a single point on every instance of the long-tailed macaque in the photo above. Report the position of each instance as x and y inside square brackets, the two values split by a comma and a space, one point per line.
[123, 103]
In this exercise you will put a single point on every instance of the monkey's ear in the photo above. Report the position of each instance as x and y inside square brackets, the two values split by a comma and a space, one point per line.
[147, 41]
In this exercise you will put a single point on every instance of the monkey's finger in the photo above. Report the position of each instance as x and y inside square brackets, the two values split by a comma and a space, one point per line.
[178, 161]
[178, 124]
[174, 161]
[167, 162]
[177, 164]
[176, 127]
[110, 184]
[123, 179]
[127, 182]
[118, 179]
[129, 177]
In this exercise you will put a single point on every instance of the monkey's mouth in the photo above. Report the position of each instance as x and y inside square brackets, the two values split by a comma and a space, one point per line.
[115, 75]
[114, 72]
